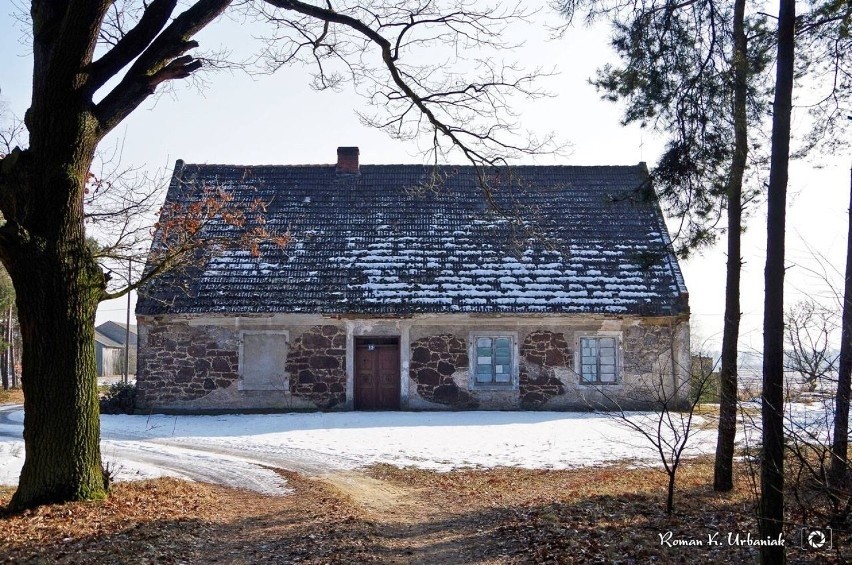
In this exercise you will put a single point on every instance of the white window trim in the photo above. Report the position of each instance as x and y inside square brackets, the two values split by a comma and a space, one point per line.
[471, 355]
[619, 358]
[285, 386]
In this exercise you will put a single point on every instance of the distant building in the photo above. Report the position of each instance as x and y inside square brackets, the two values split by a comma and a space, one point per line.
[109, 348]
[109, 355]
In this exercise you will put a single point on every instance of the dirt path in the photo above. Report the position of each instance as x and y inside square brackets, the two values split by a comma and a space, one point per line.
[408, 526]
[380, 499]
[388, 515]
[353, 517]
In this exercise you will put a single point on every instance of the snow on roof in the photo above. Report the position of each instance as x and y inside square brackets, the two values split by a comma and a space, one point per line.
[570, 239]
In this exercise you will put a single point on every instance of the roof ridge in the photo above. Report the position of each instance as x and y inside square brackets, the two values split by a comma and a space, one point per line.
[331, 165]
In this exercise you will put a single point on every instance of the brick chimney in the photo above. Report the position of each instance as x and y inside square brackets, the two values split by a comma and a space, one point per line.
[347, 160]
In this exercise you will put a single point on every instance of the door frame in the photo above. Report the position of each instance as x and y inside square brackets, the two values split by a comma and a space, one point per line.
[380, 341]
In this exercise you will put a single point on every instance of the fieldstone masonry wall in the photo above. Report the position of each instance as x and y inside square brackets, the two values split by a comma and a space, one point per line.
[434, 359]
[542, 352]
[646, 346]
[548, 378]
[316, 364]
[651, 365]
[194, 364]
[182, 363]
[196, 367]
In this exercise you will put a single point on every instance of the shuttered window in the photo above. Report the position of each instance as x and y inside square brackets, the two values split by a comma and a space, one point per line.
[493, 360]
[599, 360]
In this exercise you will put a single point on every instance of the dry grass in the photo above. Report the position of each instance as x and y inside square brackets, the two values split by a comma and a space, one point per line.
[390, 515]
[150, 521]
[11, 396]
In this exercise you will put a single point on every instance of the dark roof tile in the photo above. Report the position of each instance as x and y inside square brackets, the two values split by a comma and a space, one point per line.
[574, 239]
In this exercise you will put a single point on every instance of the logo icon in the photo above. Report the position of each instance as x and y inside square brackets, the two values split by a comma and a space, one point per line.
[815, 539]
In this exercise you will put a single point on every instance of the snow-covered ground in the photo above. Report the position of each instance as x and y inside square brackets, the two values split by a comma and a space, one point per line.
[242, 450]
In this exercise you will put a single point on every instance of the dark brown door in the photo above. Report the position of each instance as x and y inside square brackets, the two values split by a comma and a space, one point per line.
[377, 374]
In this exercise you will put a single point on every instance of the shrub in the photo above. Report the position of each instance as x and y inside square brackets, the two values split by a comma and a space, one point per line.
[119, 399]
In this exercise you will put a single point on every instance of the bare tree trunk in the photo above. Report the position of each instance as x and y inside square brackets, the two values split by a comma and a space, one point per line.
[10, 354]
[42, 241]
[671, 490]
[59, 285]
[723, 479]
[772, 461]
[840, 445]
[61, 423]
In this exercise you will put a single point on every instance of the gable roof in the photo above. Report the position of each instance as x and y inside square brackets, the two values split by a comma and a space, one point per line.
[107, 342]
[576, 239]
[116, 331]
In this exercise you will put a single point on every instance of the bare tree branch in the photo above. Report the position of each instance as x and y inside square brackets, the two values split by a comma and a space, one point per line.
[164, 59]
[416, 99]
[131, 44]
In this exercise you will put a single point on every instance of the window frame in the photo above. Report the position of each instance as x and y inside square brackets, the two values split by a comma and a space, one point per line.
[619, 364]
[514, 365]
[283, 387]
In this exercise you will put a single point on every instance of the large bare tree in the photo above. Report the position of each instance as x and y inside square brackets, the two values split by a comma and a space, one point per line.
[94, 63]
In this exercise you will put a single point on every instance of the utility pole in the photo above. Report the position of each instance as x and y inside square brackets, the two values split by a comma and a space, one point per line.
[11, 339]
[4, 361]
[127, 327]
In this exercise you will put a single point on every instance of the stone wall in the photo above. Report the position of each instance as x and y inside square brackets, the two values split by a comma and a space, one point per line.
[547, 373]
[195, 367]
[316, 363]
[192, 364]
[439, 371]
[180, 363]
[649, 350]
[434, 359]
[646, 346]
[542, 352]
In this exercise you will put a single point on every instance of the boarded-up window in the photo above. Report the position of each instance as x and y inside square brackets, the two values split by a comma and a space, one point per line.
[599, 359]
[493, 360]
[263, 360]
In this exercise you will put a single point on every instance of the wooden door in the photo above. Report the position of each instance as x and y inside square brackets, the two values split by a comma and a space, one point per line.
[377, 376]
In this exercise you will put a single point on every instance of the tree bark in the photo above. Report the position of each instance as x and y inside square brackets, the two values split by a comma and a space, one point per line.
[61, 416]
[58, 286]
[772, 409]
[56, 315]
[840, 445]
[723, 479]
[42, 242]
[9, 358]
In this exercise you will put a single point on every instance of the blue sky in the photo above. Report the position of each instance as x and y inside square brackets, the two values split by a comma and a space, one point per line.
[277, 119]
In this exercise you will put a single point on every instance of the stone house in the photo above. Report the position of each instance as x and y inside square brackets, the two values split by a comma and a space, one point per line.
[403, 288]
